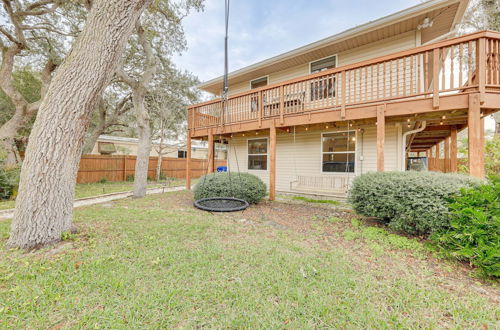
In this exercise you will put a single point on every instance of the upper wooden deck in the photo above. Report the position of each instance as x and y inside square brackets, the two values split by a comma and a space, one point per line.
[434, 77]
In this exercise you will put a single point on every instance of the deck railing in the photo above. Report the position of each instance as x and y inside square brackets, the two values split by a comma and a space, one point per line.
[458, 65]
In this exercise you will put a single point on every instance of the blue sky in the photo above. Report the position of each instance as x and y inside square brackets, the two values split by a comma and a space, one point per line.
[259, 29]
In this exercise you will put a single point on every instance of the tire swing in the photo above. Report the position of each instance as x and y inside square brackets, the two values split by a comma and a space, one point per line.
[223, 204]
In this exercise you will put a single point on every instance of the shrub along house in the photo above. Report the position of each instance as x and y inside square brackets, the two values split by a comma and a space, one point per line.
[309, 120]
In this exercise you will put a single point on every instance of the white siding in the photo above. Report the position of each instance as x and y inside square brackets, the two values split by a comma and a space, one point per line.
[304, 156]
[384, 47]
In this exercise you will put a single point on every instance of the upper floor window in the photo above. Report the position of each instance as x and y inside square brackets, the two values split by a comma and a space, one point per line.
[259, 82]
[338, 151]
[324, 64]
[323, 87]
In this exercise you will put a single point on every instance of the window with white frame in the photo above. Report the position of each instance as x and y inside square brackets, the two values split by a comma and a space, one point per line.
[324, 64]
[257, 154]
[259, 82]
[323, 87]
[338, 151]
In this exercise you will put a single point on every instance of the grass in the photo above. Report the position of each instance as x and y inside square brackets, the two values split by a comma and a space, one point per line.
[150, 264]
[84, 190]
[318, 201]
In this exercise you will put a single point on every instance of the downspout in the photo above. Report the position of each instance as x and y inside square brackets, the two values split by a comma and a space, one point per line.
[403, 144]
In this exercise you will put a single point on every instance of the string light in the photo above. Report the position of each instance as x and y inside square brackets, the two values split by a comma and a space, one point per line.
[408, 120]
[256, 133]
[307, 128]
[444, 117]
[243, 134]
[441, 123]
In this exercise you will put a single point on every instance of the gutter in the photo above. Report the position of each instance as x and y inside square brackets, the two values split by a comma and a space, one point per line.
[403, 144]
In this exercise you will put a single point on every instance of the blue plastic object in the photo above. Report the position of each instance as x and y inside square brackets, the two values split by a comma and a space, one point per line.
[222, 169]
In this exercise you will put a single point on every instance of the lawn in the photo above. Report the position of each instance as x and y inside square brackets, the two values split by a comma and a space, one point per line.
[84, 190]
[159, 263]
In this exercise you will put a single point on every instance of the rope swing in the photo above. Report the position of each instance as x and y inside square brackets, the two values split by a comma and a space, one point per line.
[223, 204]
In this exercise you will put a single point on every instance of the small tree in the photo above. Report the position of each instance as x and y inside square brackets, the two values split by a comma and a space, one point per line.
[157, 36]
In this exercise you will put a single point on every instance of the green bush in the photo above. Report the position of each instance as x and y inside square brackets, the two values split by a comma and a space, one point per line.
[412, 202]
[240, 185]
[474, 235]
[9, 181]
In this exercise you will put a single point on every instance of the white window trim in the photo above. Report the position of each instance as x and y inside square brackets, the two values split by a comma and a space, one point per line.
[323, 58]
[355, 152]
[250, 82]
[267, 154]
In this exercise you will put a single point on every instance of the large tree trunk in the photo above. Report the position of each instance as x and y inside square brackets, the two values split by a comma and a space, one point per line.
[144, 144]
[44, 206]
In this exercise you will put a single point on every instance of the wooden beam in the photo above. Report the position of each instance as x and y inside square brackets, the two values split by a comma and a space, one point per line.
[380, 137]
[188, 161]
[447, 155]
[453, 150]
[329, 114]
[481, 68]
[210, 155]
[435, 77]
[272, 159]
[476, 147]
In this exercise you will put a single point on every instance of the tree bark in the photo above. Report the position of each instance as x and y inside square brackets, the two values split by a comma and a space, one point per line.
[44, 205]
[144, 144]
[139, 88]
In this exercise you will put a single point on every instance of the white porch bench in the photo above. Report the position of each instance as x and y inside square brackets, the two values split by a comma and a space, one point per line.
[322, 185]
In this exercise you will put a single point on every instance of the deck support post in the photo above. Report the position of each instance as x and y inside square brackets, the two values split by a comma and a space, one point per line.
[210, 153]
[381, 137]
[476, 141]
[447, 155]
[272, 159]
[453, 150]
[188, 161]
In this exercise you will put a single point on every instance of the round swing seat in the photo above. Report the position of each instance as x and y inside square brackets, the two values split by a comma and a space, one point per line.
[221, 204]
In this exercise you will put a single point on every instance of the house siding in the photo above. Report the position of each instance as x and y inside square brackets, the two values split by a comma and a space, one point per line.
[387, 46]
[303, 157]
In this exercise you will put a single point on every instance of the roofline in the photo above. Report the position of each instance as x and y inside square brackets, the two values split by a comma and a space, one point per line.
[349, 33]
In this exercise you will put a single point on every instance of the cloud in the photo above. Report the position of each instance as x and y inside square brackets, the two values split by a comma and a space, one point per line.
[260, 29]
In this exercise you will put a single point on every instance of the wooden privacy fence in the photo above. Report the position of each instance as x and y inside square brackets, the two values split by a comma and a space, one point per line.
[94, 168]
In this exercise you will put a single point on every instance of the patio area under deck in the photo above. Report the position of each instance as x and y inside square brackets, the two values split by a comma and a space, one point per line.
[450, 85]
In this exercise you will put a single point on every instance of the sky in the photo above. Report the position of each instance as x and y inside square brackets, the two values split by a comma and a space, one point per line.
[259, 29]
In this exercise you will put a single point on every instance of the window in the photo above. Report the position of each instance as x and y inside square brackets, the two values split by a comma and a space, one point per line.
[260, 82]
[106, 148]
[181, 154]
[324, 64]
[323, 87]
[257, 154]
[338, 151]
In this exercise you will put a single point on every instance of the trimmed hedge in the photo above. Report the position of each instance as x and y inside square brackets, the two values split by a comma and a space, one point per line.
[412, 202]
[240, 185]
[474, 233]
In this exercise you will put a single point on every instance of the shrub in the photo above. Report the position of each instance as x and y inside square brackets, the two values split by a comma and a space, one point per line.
[413, 202]
[9, 181]
[103, 180]
[474, 234]
[240, 185]
[130, 178]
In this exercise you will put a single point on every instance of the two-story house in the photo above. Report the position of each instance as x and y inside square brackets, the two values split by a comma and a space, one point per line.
[307, 121]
